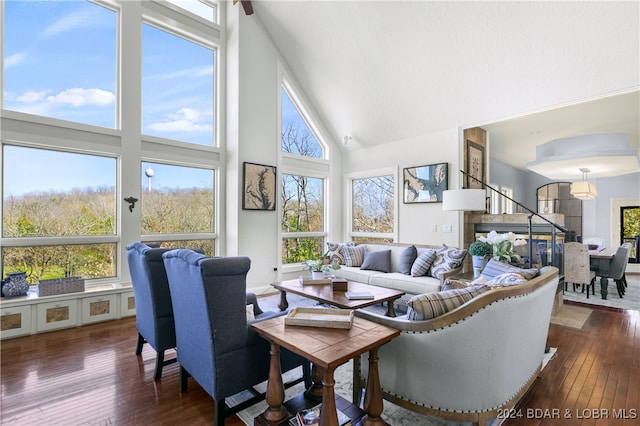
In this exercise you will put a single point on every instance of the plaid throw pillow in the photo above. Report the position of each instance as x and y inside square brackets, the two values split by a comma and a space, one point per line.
[353, 255]
[431, 305]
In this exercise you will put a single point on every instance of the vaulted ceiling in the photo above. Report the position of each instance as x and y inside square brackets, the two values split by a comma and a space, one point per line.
[529, 72]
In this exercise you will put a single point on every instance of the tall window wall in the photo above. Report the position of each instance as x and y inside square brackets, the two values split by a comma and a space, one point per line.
[104, 101]
[304, 172]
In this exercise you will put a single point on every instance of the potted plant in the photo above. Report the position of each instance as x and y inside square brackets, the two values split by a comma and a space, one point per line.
[319, 268]
[480, 252]
[504, 246]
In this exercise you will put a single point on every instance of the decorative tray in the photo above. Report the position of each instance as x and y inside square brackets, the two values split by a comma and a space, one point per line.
[320, 317]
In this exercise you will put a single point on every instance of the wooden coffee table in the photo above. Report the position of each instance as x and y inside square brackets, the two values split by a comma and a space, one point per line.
[324, 293]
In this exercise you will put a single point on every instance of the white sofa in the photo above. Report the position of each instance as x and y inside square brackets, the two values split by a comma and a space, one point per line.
[395, 279]
[471, 363]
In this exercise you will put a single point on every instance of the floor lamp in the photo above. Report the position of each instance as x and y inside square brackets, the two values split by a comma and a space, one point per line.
[475, 200]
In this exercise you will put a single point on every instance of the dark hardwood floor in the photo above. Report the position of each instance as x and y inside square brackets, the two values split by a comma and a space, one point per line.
[90, 376]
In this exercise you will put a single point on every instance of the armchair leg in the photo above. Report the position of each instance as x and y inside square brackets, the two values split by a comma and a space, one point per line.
[184, 375]
[141, 342]
[159, 364]
[219, 412]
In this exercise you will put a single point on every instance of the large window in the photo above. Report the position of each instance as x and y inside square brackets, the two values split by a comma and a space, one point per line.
[176, 201]
[373, 208]
[60, 60]
[44, 199]
[302, 216]
[177, 87]
[74, 148]
[297, 137]
[303, 194]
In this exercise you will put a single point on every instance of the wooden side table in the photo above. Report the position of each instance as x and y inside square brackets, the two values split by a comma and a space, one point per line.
[326, 348]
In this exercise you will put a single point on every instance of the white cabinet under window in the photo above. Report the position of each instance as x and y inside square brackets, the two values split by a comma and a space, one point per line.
[22, 316]
[99, 308]
[15, 321]
[55, 315]
[127, 304]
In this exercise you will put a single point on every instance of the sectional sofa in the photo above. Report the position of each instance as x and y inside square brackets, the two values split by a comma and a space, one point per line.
[393, 266]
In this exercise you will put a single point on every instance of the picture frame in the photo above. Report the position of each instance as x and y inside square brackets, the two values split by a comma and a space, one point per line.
[425, 184]
[475, 165]
[259, 186]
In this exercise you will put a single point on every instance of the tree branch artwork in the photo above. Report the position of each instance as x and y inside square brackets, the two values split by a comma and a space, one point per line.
[425, 184]
[259, 187]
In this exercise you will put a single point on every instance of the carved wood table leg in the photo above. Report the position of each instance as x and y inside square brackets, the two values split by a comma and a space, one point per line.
[315, 391]
[284, 304]
[276, 412]
[328, 413]
[373, 394]
[390, 309]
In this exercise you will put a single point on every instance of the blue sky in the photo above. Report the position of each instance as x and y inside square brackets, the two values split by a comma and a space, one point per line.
[60, 62]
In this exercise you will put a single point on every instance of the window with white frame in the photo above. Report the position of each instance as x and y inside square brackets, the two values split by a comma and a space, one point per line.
[67, 160]
[297, 137]
[60, 60]
[177, 87]
[303, 193]
[373, 208]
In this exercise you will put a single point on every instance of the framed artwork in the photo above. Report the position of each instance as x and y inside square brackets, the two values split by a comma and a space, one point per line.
[259, 186]
[424, 184]
[475, 165]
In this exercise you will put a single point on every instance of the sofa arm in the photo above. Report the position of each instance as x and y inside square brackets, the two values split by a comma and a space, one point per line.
[253, 299]
[451, 273]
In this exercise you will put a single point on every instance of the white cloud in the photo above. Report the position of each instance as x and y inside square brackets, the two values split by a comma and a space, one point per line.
[69, 22]
[15, 59]
[80, 97]
[31, 97]
[184, 120]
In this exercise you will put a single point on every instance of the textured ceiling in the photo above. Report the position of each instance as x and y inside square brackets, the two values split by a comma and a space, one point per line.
[383, 71]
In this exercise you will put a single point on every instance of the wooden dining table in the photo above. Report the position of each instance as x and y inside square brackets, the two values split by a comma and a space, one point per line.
[600, 261]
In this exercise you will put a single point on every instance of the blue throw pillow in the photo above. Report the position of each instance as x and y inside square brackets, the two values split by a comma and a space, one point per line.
[407, 257]
[377, 261]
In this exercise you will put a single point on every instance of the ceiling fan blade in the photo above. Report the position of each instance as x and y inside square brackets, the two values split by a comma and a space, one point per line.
[246, 5]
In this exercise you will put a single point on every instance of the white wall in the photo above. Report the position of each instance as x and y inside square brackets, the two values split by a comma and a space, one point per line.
[415, 221]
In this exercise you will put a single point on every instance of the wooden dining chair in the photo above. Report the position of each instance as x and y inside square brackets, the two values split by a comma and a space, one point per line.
[577, 268]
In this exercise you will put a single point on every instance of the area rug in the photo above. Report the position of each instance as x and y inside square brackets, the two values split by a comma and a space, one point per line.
[630, 300]
[392, 414]
[572, 316]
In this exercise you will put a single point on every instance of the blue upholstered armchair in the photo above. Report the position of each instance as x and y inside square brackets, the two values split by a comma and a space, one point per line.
[154, 312]
[215, 344]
